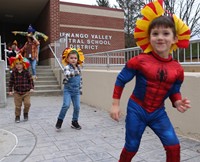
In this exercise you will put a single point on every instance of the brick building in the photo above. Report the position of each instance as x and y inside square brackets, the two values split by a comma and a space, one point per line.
[91, 28]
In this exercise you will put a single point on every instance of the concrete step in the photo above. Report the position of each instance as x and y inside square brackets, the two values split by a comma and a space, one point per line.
[48, 87]
[46, 84]
[48, 78]
[43, 67]
[45, 74]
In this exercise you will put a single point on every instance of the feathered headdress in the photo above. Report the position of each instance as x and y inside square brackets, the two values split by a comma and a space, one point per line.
[19, 58]
[150, 12]
[79, 53]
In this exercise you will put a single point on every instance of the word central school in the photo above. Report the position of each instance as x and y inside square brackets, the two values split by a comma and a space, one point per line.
[88, 41]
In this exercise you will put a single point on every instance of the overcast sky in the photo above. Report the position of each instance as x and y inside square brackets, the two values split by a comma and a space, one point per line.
[90, 2]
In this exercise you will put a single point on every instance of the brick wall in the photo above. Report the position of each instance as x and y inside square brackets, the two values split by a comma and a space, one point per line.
[92, 28]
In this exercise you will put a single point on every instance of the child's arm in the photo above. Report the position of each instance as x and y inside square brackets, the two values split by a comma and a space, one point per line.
[175, 95]
[35, 39]
[20, 33]
[123, 77]
[115, 110]
[9, 51]
[41, 35]
[22, 50]
[69, 73]
[11, 83]
[30, 80]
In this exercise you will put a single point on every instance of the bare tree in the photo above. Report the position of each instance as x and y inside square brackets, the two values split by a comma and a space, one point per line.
[187, 10]
[103, 3]
[169, 5]
[131, 10]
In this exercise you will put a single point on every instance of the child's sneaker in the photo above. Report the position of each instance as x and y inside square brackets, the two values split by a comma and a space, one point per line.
[59, 123]
[17, 119]
[75, 125]
[34, 77]
[25, 116]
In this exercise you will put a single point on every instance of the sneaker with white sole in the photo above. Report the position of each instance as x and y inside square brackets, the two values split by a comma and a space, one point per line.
[59, 123]
[17, 119]
[75, 125]
[25, 116]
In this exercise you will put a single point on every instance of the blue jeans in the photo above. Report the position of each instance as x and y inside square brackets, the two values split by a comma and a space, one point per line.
[33, 65]
[71, 93]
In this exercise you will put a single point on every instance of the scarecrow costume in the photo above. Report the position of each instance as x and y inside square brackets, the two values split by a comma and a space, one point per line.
[32, 31]
[72, 87]
[22, 82]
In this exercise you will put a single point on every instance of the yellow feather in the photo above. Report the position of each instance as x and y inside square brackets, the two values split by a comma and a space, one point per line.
[159, 8]
[181, 27]
[143, 42]
[142, 24]
[140, 34]
[183, 37]
[148, 49]
[148, 13]
[173, 48]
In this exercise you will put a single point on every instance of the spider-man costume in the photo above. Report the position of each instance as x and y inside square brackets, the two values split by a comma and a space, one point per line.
[156, 79]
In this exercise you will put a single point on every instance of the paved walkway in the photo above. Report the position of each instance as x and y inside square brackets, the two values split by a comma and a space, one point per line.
[100, 139]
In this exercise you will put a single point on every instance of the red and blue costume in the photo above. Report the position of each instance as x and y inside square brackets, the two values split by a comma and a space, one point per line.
[156, 79]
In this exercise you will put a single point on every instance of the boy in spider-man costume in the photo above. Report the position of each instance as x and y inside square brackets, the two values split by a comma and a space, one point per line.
[158, 77]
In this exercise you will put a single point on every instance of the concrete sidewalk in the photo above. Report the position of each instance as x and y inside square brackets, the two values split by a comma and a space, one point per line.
[100, 139]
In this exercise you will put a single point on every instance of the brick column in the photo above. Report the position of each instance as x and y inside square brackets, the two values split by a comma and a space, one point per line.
[54, 20]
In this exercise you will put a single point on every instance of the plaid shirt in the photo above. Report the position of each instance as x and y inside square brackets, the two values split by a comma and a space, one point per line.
[69, 72]
[30, 48]
[21, 82]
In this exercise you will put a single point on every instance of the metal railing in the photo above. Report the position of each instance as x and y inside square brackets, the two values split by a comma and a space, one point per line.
[118, 58]
[57, 49]
[111, 58]
[3, 53]
[189, 56]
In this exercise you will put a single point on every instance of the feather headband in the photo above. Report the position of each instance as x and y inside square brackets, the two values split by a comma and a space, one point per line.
[150, 12]
[79, 53]
[19, 58]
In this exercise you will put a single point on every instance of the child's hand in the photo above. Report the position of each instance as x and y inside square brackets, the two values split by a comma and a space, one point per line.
[115, 112]
[45, 38]
[182, 105]
[10, 93]
[14, 32]
[31, 90]
[7, 51]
